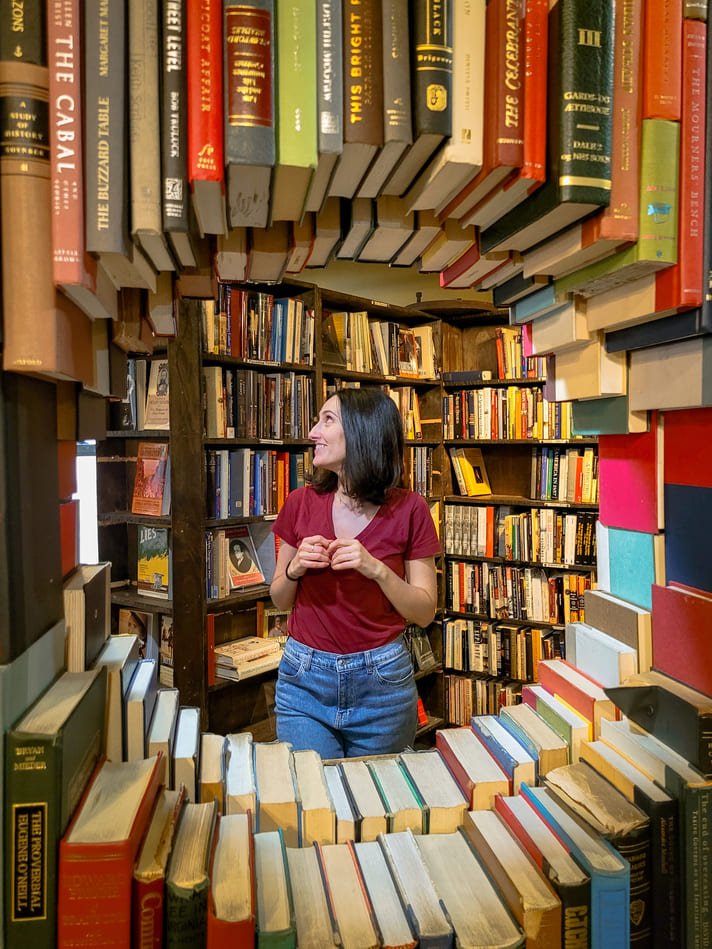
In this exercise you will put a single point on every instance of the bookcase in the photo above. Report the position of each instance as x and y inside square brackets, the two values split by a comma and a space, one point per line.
[519, 545]
[243, 396]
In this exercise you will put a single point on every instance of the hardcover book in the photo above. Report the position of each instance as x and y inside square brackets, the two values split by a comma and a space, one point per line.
[98, 851]
[188, 877]
[152, 483]
[232, 898]
[250, 92]
[312, 918]
[87, 612]
[349, 904]
[50, 754]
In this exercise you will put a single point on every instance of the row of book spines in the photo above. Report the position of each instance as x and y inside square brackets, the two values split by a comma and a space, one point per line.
[569, 474]
[254, 325]
[515, 593]
[251, 483]
[246, 403]
[418, 469]
[465, 697]
[511, 413]
[494, 649]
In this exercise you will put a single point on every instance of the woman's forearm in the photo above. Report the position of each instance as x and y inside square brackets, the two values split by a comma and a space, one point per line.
[415, 597]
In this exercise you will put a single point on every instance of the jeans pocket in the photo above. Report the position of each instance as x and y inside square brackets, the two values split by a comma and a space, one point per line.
[290, 667]
[394, 669]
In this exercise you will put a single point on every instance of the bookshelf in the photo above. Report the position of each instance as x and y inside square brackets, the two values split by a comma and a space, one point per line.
[236, 403]
[518, 557]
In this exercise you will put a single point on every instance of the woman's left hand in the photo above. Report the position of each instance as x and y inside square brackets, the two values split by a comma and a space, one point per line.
[350, 554]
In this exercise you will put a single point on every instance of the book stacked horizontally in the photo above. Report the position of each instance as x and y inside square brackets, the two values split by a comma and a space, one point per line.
[247, 657]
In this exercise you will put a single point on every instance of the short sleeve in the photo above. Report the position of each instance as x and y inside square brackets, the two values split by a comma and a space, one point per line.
[423, 540]
[285, 524]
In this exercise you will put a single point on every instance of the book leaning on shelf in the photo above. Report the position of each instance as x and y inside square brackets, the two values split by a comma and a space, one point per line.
[152, 483]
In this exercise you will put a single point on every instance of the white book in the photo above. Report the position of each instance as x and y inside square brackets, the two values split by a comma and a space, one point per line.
[349, 904]
[600, 656]
[473, 905]
[240, 788]
[186, 751]
[274, 898]
[345, 817]
[391, 918]
[476, 770]
[524, 765]
[445, 803]
[120, 656]
[364, 795]
[311, 908]
[212, 769]
[318, 817]
[277, 795]
[140, 701]
[162, 730]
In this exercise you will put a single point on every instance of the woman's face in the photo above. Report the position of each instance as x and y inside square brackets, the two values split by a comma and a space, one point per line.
[328, 437]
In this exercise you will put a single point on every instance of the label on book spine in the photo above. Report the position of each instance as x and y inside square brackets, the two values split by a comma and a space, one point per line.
[24, 123]
[248, 47]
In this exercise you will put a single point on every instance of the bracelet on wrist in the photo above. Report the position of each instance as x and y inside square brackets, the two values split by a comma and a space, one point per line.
[287, 574]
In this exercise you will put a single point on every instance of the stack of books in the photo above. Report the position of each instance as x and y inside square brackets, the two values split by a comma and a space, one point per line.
[247, 657]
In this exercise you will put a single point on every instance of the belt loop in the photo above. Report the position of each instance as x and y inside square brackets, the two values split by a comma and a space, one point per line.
[368, 655]
[308, 653]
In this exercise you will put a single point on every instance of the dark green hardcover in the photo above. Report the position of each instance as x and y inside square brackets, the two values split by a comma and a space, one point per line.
[23, 31]
[579, 127]
[187, 915]
[45, 775]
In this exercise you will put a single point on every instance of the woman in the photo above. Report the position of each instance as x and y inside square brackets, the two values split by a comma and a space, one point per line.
[356, 564]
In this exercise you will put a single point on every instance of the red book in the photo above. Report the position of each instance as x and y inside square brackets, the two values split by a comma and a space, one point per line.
[98, 851]
[512, 190]
[505, 63]
[682, 285]
[234, 836]
[206, 154]
[578, 690]
[149, 877]
[630, 471]
[688, 448]
[662, 60]
[69, 534]
[682, 646]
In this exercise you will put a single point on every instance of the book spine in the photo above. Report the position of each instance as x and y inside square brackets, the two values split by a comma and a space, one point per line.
[665, 869]
[662, 60]
[575, 916]
[659, 204]
[174, 118]
[635, 847]
[70, 266]
[432, 68]
[536, 54]
[147, 899]
[396, 72]
[204, 91]
[619, 221]
[296, 84]
[583, 42]
[330, 76]
[363, 74]
[186, 916]
[504, 81]
[105, 129]
[249, 82]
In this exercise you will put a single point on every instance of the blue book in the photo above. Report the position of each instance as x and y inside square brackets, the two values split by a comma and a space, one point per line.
[506, 749]
[609, 872]
[540, 303]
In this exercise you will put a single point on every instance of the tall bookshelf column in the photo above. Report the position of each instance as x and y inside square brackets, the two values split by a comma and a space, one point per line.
[188, 505]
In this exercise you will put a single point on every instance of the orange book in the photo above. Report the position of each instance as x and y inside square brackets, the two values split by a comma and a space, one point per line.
[662, 60]
[69, 534]
[151, 490]
[96, 867]
[682, 285]
[233, 928]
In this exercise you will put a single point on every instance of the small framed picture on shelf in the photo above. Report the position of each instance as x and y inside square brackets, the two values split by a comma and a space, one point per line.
[407, 353]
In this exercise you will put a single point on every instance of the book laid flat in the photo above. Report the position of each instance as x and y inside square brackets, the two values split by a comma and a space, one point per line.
[609, 872]
[390, 916]
[403, 809]
[275, 906]
[551, 855]
[693, 791]
[600, 656]
[365, 799]
[98, 851]
[346, 823]
[566, 722]
[544, 744]
[415, 887]
[348, 899]
[49, 757]
[584, 792]
[318, 817]
[471, 901]
[277, 798]
[149, 873]
[232, 898]
[444, 803]
[629, 623]
[587, 697]
[506, 749]
[674, 713]
[477, 773]
[188, 877]
[532, 902]
[87, 611]
[240, 789]
[315, 928]
[662, 811]
[681, 648]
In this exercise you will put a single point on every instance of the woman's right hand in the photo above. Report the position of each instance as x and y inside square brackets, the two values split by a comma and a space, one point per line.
[312, 554]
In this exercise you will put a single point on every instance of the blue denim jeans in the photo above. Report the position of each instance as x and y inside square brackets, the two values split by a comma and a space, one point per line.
[360, 703]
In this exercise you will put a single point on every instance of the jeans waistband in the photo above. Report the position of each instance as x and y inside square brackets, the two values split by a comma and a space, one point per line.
[342, 661]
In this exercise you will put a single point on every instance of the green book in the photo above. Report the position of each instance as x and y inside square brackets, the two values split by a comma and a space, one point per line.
[49, 758]
[296, 125]
[579, 130]
[276, 925]
[657, 244]
[188, 877]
